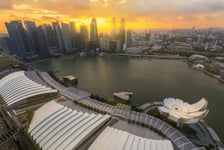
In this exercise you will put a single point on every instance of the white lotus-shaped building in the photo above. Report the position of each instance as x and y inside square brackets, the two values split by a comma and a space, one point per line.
[182, 112]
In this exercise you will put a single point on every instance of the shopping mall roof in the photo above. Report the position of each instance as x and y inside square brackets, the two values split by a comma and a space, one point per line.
[55, 126]
[19, 86]
[114, 139]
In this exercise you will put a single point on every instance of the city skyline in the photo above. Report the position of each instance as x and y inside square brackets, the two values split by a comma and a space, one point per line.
[145, 14]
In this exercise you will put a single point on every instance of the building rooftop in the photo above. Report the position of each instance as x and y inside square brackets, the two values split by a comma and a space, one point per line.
[70, 77]
[182, 112]
[55, 126]
[115, 139]
[18, 86]
[123, 95]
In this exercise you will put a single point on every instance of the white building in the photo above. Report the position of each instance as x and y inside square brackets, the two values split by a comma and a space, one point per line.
[19, 87]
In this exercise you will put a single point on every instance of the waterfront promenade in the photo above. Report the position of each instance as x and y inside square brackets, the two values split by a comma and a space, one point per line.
[152, 56]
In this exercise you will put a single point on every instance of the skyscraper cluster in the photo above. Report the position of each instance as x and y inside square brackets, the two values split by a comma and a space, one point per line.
[119, 38]
[28, 41]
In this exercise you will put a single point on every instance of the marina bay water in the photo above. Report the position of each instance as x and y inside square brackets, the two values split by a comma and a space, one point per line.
[149, 80]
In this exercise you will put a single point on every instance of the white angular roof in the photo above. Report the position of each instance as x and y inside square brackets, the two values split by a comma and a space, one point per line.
[123, 95]
[16, 87]
[56, 127]
[114, 139]
[182, 112]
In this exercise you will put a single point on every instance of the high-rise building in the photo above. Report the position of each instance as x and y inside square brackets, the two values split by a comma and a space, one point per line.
[122, 27]
[83, 37]
[5, 44]
[113, 30]
[122, 33]
[49, 35]
[18, 38]
[58, 35]
[73, 33]
[106, 42]
[128, 38]
[30, 29]
[66, 34]
[40, 42]
[93, 32]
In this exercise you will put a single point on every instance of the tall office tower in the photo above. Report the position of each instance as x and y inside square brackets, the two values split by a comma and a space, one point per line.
[122, 33]
[40, 42]
[128, 38]
[18, 38]
[113, 30]
[66, 35]
[83, 36]
[58, 36]
[73, 33]
[49, 35]
[5, 44]
[30, 28]
[93, 32]
[122, 27]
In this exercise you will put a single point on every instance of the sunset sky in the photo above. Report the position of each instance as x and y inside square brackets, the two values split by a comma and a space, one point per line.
[139, 14]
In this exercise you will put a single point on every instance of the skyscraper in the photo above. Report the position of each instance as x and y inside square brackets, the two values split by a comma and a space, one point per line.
[128, 38]
[93, 32]
[49, 35]
[66, 34]
[83, 37]
[113, 30]
[5, 44]
[18, 38]
[73, 33]
[30, 28]
[122, 33]
[40, 42]
[122, 27]
[58, 35]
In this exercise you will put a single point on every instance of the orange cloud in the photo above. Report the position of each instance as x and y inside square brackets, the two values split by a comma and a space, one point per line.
[139, 14]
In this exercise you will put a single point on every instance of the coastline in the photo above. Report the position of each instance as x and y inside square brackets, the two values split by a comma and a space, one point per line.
[212, 75]
[207, 73]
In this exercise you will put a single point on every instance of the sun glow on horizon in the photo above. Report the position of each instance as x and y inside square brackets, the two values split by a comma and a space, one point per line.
[144, 14]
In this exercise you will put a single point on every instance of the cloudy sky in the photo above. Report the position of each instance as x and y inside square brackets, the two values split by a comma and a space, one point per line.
[139, 14]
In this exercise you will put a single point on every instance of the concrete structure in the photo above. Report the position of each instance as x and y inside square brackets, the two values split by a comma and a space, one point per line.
[128, 39]
[70, 80]
[113, 33]
[73, 33]
[5, 44]
[122, 33]
[113, 139]
[54, 126]
[18, 38]
[182, 112]
[93, 30]
[67, 38]
[16, 88]
[198, 58]
[84, 36]
[40, 43]
[71, 92]
[58, 36]
[30, 29]
[198, 66]
[123, 97]
[94, 35]
[49, 34]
